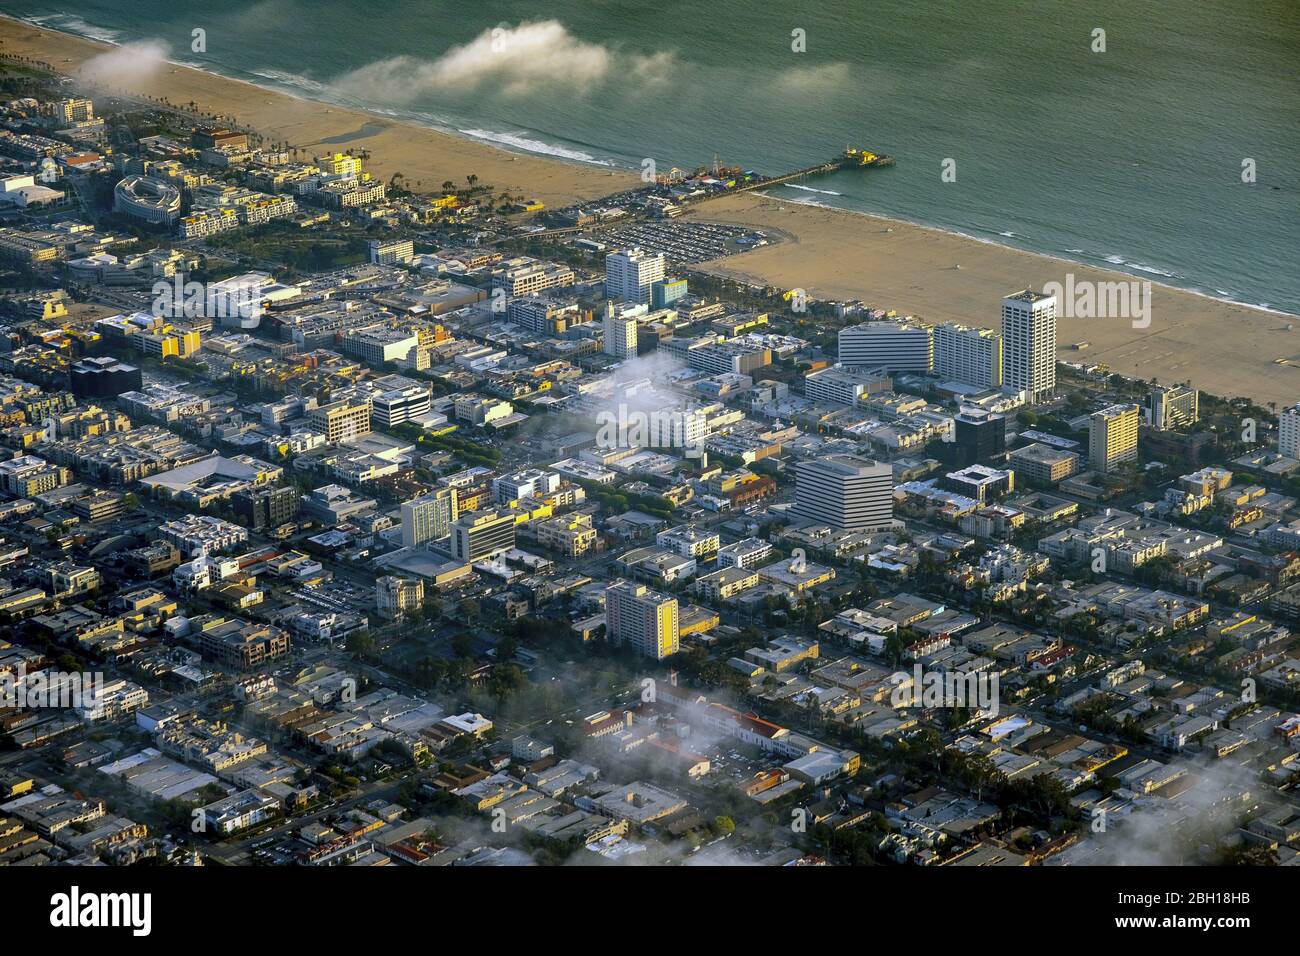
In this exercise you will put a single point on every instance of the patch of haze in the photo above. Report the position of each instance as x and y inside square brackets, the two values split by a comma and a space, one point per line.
[1161, 832]
[265, 13]
[815, 79]
[128, 64]
[685, 728]
[640, 385]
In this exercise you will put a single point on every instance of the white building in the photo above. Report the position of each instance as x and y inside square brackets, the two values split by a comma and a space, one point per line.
[1029, 344]
[196, 535]
[147, 199]
[379, 344]
[847, 492]
[113, 699]
[1288, 432]
[398, 251]
[842, 385]
[689, 541]
[526, 483]
[895, 346]
[747, 553]
[630, 274]
[525, 276]
[620, 334]
[400, 405]
[1173, 406]
[239, 301]
[967, 355]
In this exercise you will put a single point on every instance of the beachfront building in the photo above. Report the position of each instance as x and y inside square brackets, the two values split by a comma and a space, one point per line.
[893, 346]
[1029, 344]
[1172, 406]
[630, 274]
[967, 355]
[1113, 437]
[1288, 432]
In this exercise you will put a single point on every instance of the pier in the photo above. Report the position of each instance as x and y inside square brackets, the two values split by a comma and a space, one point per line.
[850, 159]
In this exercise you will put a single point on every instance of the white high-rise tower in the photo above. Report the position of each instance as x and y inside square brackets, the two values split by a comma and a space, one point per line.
[1029, 343]
[1288, 432]
[629, 274]
[620, 332]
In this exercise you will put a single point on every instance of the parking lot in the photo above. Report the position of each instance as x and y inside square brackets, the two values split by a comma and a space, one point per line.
[686, 243]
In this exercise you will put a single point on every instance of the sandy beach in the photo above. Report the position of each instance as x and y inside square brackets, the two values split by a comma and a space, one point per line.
[421, 155]
[1222, 348]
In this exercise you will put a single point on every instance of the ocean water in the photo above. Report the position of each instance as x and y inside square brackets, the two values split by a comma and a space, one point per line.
[1130, 158]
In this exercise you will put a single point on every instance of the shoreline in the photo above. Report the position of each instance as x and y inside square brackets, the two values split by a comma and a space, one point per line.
[420, 152]
[832, 252]
[1139, 275]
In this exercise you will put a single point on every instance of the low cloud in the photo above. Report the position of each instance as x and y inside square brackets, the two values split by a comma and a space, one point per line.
[815, 79]
[512, 61]
[125, 65]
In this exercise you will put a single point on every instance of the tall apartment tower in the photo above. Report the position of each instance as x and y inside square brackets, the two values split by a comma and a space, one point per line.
[1029, 343]
[645, 619]
[1172, 406]
[847, 492]
[629, 274]
[1288, 432]
[895, 346]
[1113, 437]
[967, 355]
[429, 517]
[620, 333]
